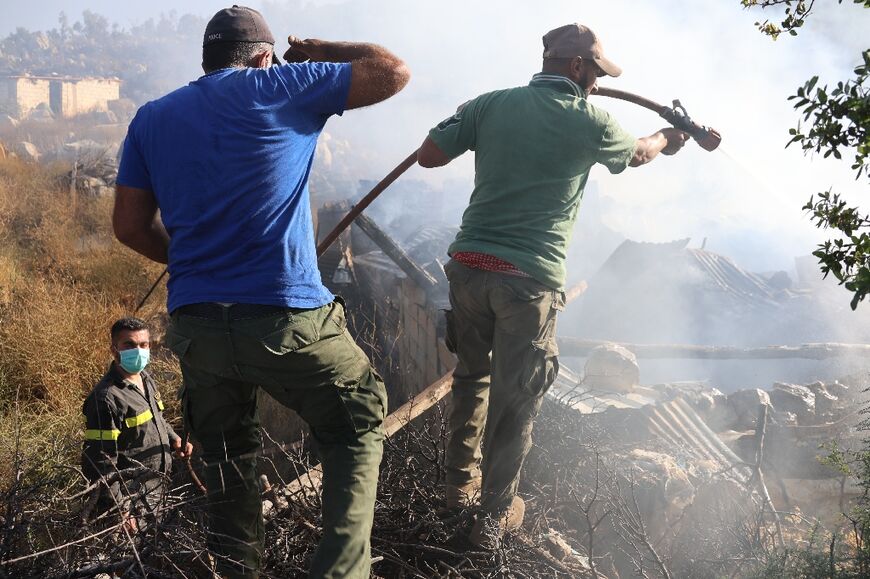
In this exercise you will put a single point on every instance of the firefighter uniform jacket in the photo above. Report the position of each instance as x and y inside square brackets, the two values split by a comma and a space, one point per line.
[125, 429]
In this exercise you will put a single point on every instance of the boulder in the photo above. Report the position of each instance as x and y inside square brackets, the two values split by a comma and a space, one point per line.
[122, 108]
[85, 147]
[784, 418]
[824, 399]
[664, 485]
[41, 113]
[611, 368]
[794, 398]
[93, 186]
[27, 152]
[745, 405]
[837, 389]
[700, 395]
[105, 118]
[7, 122]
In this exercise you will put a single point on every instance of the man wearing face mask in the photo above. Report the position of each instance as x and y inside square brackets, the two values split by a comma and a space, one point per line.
[125, 432]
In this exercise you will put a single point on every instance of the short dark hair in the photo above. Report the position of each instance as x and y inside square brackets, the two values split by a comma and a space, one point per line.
[556, 64]
[231, 54]
[130, 323]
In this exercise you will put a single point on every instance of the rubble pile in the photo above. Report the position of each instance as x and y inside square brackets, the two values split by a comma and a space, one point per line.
[686, 456]
[677, 476]
[618, 483]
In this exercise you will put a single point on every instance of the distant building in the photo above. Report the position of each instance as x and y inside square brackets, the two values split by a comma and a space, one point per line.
[64, 96]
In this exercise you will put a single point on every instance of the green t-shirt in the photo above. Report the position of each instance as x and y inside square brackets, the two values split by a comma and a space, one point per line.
[534, 146]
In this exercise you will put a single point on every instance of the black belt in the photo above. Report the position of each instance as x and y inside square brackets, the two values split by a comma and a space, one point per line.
[213, 311]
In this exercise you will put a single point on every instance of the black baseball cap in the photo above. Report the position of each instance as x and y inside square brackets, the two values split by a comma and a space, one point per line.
[238, 24]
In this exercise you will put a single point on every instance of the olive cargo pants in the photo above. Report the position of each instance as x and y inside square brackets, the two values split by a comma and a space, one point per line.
[514, 319]
[306, 360]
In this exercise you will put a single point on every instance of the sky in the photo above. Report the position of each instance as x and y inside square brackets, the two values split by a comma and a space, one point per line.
[745, 198]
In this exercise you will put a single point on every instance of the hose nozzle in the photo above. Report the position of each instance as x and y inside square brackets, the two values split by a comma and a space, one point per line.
[706, 137]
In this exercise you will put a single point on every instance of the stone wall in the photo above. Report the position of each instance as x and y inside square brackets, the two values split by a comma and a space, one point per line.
[88, 95]
[424, 357]
[20, 95]
[8, 106]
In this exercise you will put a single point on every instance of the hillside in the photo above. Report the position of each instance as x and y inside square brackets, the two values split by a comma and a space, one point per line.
[146, 57]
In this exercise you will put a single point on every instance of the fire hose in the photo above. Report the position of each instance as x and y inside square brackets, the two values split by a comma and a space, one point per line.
[707, 138]
[676, 115]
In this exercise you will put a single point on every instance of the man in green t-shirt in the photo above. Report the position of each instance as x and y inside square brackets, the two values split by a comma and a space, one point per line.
[534, 146]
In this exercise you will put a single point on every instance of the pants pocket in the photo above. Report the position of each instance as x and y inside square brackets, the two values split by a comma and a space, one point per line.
[365, 401]
[297, 332]
[540, 368]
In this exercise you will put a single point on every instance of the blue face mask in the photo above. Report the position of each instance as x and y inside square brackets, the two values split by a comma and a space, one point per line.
[135, 360]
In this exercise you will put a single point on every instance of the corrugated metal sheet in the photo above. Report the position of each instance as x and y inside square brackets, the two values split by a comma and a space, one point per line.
[674, 423]
[678, 424]
[723, 274]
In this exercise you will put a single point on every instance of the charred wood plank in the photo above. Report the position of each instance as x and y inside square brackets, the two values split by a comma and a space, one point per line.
[392, 249]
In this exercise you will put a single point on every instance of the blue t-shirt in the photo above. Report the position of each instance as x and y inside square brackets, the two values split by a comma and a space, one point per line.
[228, 158]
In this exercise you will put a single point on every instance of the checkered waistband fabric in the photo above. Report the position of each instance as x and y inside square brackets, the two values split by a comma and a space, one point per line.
[486, 262]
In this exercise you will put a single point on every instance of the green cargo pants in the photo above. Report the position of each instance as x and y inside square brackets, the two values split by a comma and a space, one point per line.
[512, 318]
[306, 360]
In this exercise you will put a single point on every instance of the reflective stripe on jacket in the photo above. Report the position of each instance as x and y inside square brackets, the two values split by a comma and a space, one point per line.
[125, 428]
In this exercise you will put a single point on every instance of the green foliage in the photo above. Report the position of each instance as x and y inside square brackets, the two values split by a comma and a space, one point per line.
[833, 120]
[838, 119]
[846, 257]
[795, 14]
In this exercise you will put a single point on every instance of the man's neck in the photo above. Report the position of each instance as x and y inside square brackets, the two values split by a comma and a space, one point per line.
[134, 378]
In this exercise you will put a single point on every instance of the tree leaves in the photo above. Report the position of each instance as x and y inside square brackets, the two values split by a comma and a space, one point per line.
[833, 121]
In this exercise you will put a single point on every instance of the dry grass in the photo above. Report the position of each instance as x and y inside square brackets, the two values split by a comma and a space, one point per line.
[63, 280]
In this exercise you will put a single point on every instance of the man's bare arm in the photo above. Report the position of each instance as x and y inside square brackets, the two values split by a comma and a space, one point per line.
[429, 155]
[136, 225]
[376, 73]
[666, 141]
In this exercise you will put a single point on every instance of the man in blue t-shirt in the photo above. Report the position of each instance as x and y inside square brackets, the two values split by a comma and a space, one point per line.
[226, 161]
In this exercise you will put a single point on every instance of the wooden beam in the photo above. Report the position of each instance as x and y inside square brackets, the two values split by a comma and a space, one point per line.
[578, 347]
[310, 481]
[432, 395]
[386, 243]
